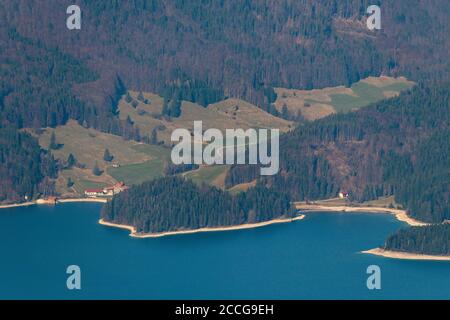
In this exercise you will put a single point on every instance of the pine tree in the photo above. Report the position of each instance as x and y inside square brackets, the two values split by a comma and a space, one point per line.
[107, 156]
[96, 170]
[71, 161]
[165, 109]
[285, 112]
[53, 144]
[128, 98]
[154, 137]
[129, 121]
[175, 108]
[70, 183]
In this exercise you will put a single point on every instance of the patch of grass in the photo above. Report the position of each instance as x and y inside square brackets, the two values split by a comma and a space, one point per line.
[332, 202]
[82, 179]
[88, 145]
[311, 101]
[138, 162]
[227, 114]
[323, 102]
[140, 172]
[242, 187]
[400, 86]
[86, 184]
[137, 173]
[366, 94]
[152, 151]
[208, 175]
[383, 202]
[345, 103]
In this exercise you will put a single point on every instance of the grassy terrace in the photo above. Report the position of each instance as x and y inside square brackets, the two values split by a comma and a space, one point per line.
[139, 172]
[213, 175]
[318, 103]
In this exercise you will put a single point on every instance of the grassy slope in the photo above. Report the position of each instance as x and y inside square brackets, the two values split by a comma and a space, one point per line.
[212, 175]
[140, 172]
[138, 162]
[227, 114]
[325, 101]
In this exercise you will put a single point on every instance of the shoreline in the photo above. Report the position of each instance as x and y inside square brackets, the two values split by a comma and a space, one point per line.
[405, 255]
[16, 205]
[134, 234]
[69, 200]
[62, 200]
[400, 215]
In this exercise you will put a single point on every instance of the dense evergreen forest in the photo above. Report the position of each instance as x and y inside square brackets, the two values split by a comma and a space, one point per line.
[24, 168]
[38, 88]
[400, 147]
[206, 50]
[433, 240]
[172, 203]
[171, 169]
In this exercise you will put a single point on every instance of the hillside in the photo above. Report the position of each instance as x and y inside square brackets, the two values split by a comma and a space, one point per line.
[26, 171]
[221, 49]
[203, 52]
[226, 114]
[136, 162]
[398, 147]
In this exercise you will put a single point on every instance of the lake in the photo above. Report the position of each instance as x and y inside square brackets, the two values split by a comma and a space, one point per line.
[314, 258]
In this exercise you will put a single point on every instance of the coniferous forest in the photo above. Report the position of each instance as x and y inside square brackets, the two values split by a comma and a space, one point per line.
[432, 240]
[26, 171]
[172, 204]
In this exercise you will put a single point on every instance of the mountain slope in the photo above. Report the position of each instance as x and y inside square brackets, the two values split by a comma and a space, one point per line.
[238, 48]
[399, 146]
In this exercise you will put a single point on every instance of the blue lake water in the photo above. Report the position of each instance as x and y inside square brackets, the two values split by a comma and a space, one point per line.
[315, 258]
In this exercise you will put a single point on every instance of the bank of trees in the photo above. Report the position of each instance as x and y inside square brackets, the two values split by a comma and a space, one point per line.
[172, 203]
[25, 169]
[432, 240]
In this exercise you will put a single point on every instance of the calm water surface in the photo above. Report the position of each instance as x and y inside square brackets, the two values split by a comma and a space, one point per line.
[313, 258]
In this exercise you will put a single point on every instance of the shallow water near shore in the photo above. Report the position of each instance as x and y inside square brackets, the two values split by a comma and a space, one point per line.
[314, 258]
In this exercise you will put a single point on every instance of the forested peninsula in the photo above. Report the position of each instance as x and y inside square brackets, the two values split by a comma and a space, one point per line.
[174, 204]
[429, 240]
